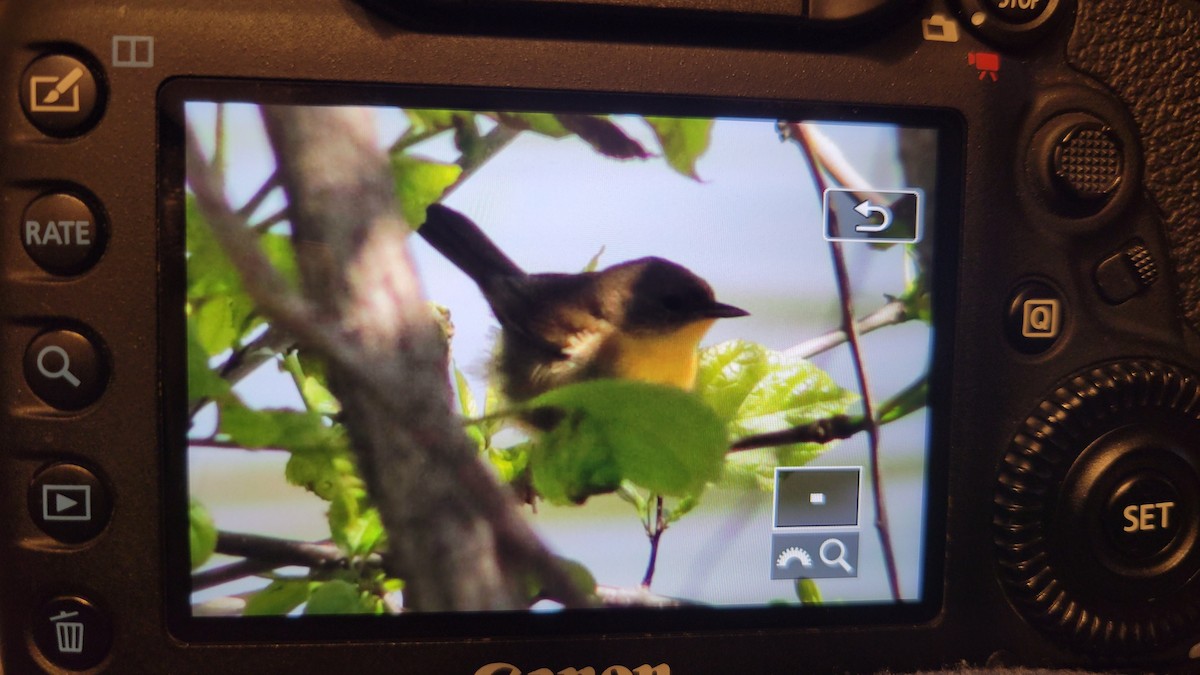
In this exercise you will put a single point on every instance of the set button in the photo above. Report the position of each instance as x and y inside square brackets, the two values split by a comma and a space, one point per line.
[65, 369]
[1143, 517]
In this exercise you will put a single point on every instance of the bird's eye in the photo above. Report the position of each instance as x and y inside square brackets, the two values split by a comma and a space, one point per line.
[674, 302]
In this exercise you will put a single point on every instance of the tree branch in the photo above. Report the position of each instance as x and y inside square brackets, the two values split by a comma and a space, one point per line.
[891, 314]
[457, 539]
[802, 135]
[821, 431]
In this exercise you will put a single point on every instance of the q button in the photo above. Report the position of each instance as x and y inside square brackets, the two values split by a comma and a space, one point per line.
[1035, 318]
[65, 369]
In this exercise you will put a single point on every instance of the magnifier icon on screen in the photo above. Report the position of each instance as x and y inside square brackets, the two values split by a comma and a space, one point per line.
[830, 558]
[64, 371]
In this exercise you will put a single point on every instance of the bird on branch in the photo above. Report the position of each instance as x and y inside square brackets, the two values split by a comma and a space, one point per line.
[638, 320]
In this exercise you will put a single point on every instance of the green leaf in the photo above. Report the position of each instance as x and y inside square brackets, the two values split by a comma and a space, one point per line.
[282, 256]
[682, 508]
[419, 183]
[466, 400]
[545, 124]
[728, 372]
[807, 592]
[274, 428]
[337, 597]
[572, 462]
[509, 462]
[657, 437]
[683, 140]
[431, 120]
[222, 310]
[202, 534]
[214, 320]
[756, 390]
[594, 262]
[209, 270]
[203, 382]
[914, 397]
[581, 577]
[279, 598]
[310, 380]
[365, 534]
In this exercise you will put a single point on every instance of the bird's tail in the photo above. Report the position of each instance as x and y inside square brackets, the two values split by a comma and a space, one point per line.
[464, 244]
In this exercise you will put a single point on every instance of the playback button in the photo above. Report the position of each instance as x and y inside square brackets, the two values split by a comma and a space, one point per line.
[69, 503]
[65, 369]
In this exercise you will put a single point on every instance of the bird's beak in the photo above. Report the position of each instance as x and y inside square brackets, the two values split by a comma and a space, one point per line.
[719, 310]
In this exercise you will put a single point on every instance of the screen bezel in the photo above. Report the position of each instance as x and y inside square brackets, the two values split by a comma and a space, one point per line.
[945, 211]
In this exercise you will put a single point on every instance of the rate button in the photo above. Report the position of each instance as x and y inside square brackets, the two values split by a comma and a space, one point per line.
[62, 233]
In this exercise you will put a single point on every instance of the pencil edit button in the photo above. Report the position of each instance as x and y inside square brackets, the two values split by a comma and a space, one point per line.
[62, 233]
[61, 95]
[66, 369]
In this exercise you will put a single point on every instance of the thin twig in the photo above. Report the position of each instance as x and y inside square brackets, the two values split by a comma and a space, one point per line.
[247, 359]
[613, 596]
[260, 196]
[408, 139]
[799, 133]
[891, 314]
[263, 554]
[656, 524]
[214, 444]
[495, 141]
[280, 216]
[822, 431]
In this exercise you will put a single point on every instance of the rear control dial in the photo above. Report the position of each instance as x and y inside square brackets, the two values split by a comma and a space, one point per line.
[1098, 505]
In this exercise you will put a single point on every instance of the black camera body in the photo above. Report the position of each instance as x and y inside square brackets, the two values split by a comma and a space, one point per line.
[1037, 163]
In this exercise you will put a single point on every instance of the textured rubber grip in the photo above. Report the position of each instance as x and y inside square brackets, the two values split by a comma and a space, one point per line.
[1148, 52]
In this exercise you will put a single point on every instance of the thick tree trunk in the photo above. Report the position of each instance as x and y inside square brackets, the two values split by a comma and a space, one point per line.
[432, 493]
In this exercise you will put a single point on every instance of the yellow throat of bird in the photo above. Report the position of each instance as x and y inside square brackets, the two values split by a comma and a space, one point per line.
[667, 358]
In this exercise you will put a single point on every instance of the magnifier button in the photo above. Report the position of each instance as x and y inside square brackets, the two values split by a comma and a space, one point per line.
[65, 369]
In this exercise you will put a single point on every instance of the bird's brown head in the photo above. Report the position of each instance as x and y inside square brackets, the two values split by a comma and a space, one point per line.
[658, 295]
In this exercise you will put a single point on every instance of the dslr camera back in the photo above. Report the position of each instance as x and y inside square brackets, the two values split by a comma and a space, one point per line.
[599, 337]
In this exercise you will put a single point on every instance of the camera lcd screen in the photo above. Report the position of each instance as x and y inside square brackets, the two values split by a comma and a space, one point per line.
[721, 459]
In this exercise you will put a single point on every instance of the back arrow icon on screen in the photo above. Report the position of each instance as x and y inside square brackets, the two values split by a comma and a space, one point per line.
[866, 209]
